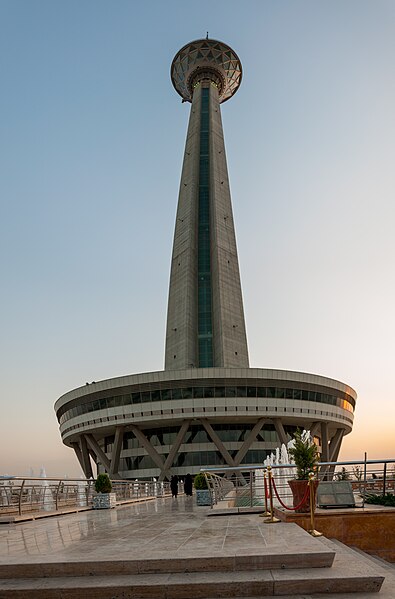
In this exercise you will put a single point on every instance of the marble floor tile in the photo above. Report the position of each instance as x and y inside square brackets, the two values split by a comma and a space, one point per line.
[159, 528]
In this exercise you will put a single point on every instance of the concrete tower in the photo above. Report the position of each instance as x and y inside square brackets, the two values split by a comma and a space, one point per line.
[205, 320]
[207, 408]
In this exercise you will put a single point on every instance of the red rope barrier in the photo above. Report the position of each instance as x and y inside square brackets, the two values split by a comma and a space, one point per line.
[291, 509]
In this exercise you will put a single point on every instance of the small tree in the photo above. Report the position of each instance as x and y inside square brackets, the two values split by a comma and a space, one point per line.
[357, 472]
[200, 482]
[305, 454]
[103, 484]
[342, 475]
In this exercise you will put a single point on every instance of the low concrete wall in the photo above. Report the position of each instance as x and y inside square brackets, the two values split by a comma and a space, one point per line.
[372, 530]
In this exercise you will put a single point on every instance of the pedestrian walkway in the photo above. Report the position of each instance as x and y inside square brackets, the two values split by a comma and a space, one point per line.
[169, 548]
[157, 528]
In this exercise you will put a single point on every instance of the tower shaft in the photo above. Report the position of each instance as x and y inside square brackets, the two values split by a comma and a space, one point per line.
[205, 320]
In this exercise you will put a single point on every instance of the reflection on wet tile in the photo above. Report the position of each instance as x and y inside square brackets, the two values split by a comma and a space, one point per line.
[159, 529]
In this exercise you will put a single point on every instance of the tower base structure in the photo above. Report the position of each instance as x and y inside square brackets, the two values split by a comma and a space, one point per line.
[174, 422]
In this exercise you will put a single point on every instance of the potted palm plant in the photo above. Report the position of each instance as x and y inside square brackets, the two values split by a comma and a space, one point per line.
[104, 498]
[203, 495]
[305, 455]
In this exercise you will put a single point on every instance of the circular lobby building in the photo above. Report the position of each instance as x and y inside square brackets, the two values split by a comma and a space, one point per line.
[157, 423]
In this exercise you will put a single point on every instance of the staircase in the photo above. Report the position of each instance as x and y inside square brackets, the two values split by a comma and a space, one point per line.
[326, 569]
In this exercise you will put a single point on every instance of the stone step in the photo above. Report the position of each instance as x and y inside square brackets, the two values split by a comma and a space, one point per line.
[340, 547]
[341, 578]
[375, 559]
[208, 563]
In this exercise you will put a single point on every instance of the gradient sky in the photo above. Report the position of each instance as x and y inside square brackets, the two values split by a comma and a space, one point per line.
[91, 142]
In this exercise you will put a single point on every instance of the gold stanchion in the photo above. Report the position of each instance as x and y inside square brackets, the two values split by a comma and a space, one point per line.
[272, 519]
[266, 513]
[313, 532]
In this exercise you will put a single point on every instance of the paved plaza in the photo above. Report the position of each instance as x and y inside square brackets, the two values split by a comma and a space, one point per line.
[155, 545]
[158, 528]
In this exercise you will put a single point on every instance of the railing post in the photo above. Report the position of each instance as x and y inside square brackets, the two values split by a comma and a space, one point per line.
[364, 480]
[312, 531]
[88, 491]
[20, 497]
[57, 495]
[266, 512]
[272, 519]
[251, 501]
[384, 478]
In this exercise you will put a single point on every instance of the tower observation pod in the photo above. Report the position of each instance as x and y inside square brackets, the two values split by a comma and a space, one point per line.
[205, 320]
[207, 408]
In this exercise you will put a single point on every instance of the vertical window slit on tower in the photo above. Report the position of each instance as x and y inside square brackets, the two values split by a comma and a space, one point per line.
[205, 329]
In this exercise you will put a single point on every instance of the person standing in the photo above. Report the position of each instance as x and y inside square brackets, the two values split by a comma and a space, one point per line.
[174, 486]
[188, 485]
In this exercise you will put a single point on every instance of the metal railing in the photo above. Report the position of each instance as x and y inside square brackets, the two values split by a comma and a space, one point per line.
[244, 486]
[20, 495]
[220, 488]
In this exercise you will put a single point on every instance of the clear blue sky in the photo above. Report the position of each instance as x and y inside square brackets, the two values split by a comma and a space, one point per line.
[91, 142]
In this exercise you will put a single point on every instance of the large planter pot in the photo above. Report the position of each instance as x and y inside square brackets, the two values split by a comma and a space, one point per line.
[104, 501]
[203, 497]
[298, 488]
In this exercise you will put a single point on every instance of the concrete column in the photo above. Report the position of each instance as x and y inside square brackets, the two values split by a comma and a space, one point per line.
[80, 458]
[335, 444]
[324, 442]
[116, 452]
[101, 456]
[86, 461]
[217, 442]
[142, 439]
[174, 450]
[282, 435]
[314, 428]
[248, 441]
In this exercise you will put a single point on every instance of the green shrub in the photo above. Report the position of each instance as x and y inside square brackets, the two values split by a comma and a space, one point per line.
[103, 484]
[388, 499]
[305, 454]
[200, 482]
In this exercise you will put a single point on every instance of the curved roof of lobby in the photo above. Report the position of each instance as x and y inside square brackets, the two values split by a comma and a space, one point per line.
[163, 377]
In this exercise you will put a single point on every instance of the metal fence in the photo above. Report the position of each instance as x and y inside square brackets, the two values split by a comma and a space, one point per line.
[20, 495]
[244, 486]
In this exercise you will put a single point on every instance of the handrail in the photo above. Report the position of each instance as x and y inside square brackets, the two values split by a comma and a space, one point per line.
[249, 467]
[20, 495]
[366, 476]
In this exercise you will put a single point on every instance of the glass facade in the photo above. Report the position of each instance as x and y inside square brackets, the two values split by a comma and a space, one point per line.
[195, 437]
[228, 433]
[197, 449]
[140, 397]
[205, 329]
